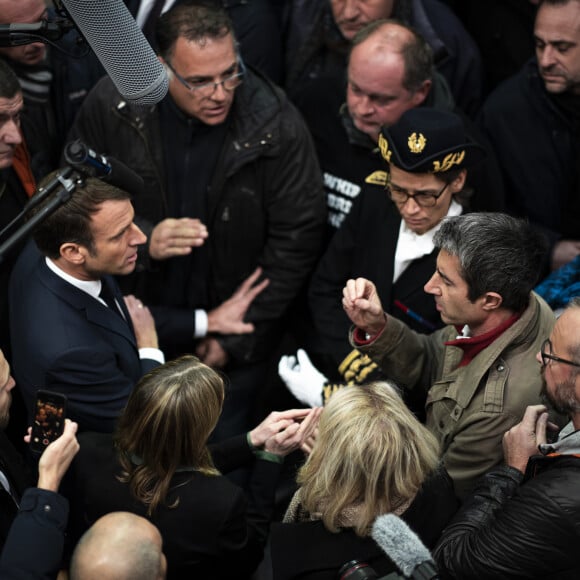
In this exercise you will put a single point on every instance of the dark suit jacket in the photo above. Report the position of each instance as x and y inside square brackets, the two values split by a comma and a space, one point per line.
[66, 341]
[34, 547]
[19, 477]
[212, 533]
[365, 246]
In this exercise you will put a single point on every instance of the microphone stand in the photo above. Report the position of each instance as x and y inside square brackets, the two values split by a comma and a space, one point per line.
[61, 187]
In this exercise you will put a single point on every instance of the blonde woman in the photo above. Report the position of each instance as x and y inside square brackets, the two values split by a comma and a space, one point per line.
[371, 457]
[158, 466]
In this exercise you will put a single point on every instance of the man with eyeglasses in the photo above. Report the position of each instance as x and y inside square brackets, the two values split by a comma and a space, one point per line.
[232, 184]
[478, 373]
[522, 519]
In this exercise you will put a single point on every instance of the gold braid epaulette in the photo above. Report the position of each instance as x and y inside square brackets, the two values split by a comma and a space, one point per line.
[355, 368]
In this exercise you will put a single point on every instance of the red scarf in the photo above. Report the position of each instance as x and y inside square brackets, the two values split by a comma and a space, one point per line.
[473, 345]
[21, 165]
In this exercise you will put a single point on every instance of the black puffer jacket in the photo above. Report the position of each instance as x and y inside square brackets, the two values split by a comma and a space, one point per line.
[265, 203]
[518, 527]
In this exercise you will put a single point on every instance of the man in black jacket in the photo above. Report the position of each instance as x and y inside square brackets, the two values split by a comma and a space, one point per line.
[232, 183]
[522, 521]
[34, 542]
[533, 123]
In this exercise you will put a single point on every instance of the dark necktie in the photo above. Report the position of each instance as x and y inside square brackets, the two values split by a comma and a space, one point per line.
[151, 21]
[107, 295]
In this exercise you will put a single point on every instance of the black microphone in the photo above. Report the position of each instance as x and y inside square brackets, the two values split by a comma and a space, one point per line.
[404, 548]
[92, 164]
[19, 34]
[119, 44]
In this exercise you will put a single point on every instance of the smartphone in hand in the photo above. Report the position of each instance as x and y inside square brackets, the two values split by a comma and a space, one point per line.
[49, 416]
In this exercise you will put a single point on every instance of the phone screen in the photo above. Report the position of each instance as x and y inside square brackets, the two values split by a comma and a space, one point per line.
[49, 419]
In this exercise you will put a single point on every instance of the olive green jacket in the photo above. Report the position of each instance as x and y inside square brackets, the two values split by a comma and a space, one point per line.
[468, 408]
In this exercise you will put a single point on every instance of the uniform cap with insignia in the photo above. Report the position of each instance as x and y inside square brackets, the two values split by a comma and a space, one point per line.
[426, 140]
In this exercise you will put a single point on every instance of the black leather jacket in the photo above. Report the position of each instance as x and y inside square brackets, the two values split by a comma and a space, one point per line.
[518, 527]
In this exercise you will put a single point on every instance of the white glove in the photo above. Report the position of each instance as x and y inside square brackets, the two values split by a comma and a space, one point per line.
[302, 378]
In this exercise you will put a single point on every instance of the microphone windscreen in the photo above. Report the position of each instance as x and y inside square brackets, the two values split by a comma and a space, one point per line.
[400, 543]
[119, 44]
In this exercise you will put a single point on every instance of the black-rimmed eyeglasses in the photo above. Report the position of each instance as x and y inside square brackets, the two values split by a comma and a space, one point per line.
[546, 354]
[422, 198]
[206, 89]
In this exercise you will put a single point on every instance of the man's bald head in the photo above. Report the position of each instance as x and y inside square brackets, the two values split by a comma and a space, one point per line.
[120, 546]
[390, 71]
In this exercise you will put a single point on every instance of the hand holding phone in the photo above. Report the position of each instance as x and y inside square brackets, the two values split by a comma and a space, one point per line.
[49, 416]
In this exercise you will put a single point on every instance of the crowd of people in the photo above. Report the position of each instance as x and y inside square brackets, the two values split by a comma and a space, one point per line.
[342, 284]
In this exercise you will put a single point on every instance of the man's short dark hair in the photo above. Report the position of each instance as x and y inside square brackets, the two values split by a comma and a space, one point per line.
[195, 21]
[497, 253]
[71, 222]
[9, 85]
[417, 54]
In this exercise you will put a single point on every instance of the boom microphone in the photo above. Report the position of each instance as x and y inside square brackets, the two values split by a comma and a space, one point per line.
[404, 548]
[90, 163]
[119, 44]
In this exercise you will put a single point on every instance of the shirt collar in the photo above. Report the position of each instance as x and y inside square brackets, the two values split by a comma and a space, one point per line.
[568, 442]
[90, 287]
[412, 246]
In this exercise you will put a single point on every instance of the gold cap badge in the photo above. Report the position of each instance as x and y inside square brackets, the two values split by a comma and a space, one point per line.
[416, 144]
[384, 148]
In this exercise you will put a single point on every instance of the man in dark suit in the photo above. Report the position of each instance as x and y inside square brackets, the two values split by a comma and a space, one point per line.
[71, 330]
[14, 476]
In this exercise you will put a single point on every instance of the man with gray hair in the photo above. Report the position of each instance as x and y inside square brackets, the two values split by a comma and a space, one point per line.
[478, 372]
[522, 520]
[120, 545]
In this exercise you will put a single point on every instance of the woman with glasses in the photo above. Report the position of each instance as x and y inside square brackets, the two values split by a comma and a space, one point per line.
[388, 238]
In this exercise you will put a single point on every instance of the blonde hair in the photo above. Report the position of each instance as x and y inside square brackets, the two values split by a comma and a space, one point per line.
[165, 426]
[371, 453]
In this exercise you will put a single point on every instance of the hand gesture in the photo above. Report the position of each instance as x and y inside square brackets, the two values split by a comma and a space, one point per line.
[523, 439]
[212, 353]
[302, 378]
[57, 457]
[228, 318]
[275, 422]
[143, 323]
[363, 306]
[294, 435]
[176, 237]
